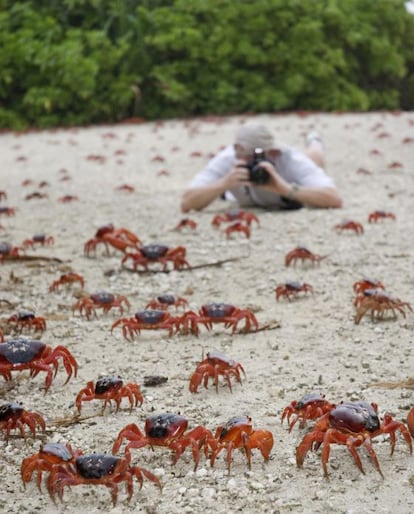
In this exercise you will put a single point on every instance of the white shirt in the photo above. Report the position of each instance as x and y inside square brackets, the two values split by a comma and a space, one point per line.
[291, 164]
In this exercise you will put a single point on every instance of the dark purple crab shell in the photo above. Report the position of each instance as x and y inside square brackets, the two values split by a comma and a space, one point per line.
[167, 299]
[20, 351]
[102, 297]
[234, 422]
[160, 426]
[217, 310]
[96, 465]
[5, 248]
[310, 398]
[354, 417]
[150, 316]
[104, 384]
[39, 238]
[10, 410]
[25, 315]
[221, 357]
[293, 285]
[154, 251]
[57, 449]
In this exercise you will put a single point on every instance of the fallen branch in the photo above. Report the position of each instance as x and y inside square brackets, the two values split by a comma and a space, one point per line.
[73, 420]
[29, 258]
[191, 268]
[408, 384]
[269, 326]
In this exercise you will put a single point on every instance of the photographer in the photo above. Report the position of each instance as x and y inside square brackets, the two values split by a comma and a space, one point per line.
[285, 179]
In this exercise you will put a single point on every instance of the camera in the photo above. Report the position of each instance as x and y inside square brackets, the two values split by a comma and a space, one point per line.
[257, 174]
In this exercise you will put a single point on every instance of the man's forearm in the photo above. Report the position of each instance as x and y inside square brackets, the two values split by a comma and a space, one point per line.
[200, 197]
[326, 197]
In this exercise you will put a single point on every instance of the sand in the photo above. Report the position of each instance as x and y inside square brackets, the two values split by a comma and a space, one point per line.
[317, 347]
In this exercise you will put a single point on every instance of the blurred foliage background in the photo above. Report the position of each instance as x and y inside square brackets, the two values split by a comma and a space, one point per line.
[78, 62]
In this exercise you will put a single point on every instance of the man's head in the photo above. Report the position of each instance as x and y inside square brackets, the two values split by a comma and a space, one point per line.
[250, 136]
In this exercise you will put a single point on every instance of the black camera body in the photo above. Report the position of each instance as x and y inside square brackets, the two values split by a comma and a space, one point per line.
[257, 174]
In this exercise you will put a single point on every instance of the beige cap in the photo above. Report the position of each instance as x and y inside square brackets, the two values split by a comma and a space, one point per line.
[252, 135]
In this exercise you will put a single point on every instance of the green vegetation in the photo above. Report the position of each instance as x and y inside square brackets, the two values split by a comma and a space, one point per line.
[77, 62]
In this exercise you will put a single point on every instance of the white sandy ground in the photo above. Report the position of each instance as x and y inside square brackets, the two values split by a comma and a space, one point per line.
[317, 347]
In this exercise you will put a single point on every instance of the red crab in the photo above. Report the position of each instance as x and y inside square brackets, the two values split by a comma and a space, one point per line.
[235, 215]
[377, 302]
[238, 433]
[352, 424]
[163, 302]
[292, 289]
[126, 188]
[47, 459]
[367, 283]
[7, 211]
[100, 300]
[121, 239]
[107, 389]
[26, 319]
[410, 421]
[377, 215]
[237, 226]
[21, 354]
[185, 223]
[36, 195]
[13, 416]
[149, 319]
[310, 406]
[7, 251]
[168, 430]
[350, 225]
[212, 313]
[3, 195]
[40, 239]
[303, 254]
[67, 278]
[214, 365]
[97, 469]
[157, 253]
[68, 199]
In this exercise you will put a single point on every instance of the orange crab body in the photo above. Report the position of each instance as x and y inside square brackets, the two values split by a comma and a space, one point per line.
[292, 289]
[310, 406]
[98, 469]
[38, 239]
[163, 302]
[184, 224]
[351, 424]
[378, 303]
[157, 253]
[67, 279]
[35, 356]
[367, 283]
[166, 430]
[350, 225]
[149, 319]
[213, 366]
[238, 433]
[303, 254]
[26, 319]
[108, 389]
[101, 300]
[7, 251]
[48, 457]
[121, 239]
[213, 313]
[237, 226]
[375, 216]
[235, 215]
[7, 211]
[14, 417]
[410, 421]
